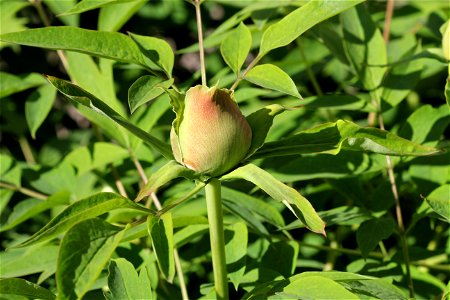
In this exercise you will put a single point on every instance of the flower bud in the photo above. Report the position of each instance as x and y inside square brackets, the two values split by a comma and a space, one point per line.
[213, 135]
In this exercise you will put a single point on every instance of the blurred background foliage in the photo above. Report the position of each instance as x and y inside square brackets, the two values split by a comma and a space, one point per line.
[49, 148]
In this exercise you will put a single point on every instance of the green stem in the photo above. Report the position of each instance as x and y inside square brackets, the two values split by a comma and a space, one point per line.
[214, 206]
[200, 40]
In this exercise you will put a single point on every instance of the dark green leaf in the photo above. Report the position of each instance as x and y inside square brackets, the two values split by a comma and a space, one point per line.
[298, 204]
[22, 287]
[84, 251]
[145, 89]
[288, 250]
[272, 77]
[260, 122]
[124, 282]
[161, 232]
[38, 106]
[113, 17]
[371, 232]
[112, 45]
[156, 52]
[332, 137]
[190, 232]
[364, 46]
[86, 5]
[297, 22]
[235, 47]
[81, 210]
[80, 96]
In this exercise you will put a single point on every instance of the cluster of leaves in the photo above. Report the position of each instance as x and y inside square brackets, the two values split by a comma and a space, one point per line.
[56, 199]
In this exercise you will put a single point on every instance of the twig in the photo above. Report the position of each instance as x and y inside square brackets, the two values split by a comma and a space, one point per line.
[200, 40]
[26, 150]
[311, 75]
[250, 65]
[23, 190]
[388, 20]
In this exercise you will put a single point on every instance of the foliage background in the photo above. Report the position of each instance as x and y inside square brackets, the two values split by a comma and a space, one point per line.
[350, 190]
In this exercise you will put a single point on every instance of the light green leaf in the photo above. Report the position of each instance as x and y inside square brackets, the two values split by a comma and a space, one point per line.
[160, 230]
[272, 77]
[10, 22]
[90, 207]
[371, 232]
[95, 156]
[298, 204]
[22, 287]
[236, 239]
[84, 251]
[235, 47]
[333, 137]
[145, 89]
[27, 261]
[260, 122]
[111, 45]
[12, 84]
[155, 51]
[338, 102]
[124, 282]
[365, 47]
[316, 287]
[188, 233]
[439, 201]
[113, 17]
[38, 106]
[80, 96]
[31, 207]
[447, 89]
[168, 172]
[297, 22]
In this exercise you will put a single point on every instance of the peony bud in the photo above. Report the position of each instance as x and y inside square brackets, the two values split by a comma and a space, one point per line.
[213, 135]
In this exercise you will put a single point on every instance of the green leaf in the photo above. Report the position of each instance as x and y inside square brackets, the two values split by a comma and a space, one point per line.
[401, 79]
[86, 5]
[288, 251]
[338, 102]
[8, 16]
[80, 96]
[31, 207]
[113, 17]
[111, 45]
[12, 84]
[316, 287]
[84, 251]
[168, 172]
[447, 89]
[298, 204]
[145, 89]
[124, 282]
[439, 201]
[38, 106]
[27, 261]
[260, 122]
[235, 252]
[258, 206]
[95, 156]
[161, 231]
[90, 207]
[22, 287]
[333, 137]
[371, 232]
[188, 233]
[156, 51]
[235, 47]
[364, 45]
[58, 7]
[272, 77]
[297, 22]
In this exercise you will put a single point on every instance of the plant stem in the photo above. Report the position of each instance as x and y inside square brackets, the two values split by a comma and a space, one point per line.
[216, 233]
[311, 75]
[250, 65]
[200, 40]
[23, 190]
[26, 150]
[388, 20]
